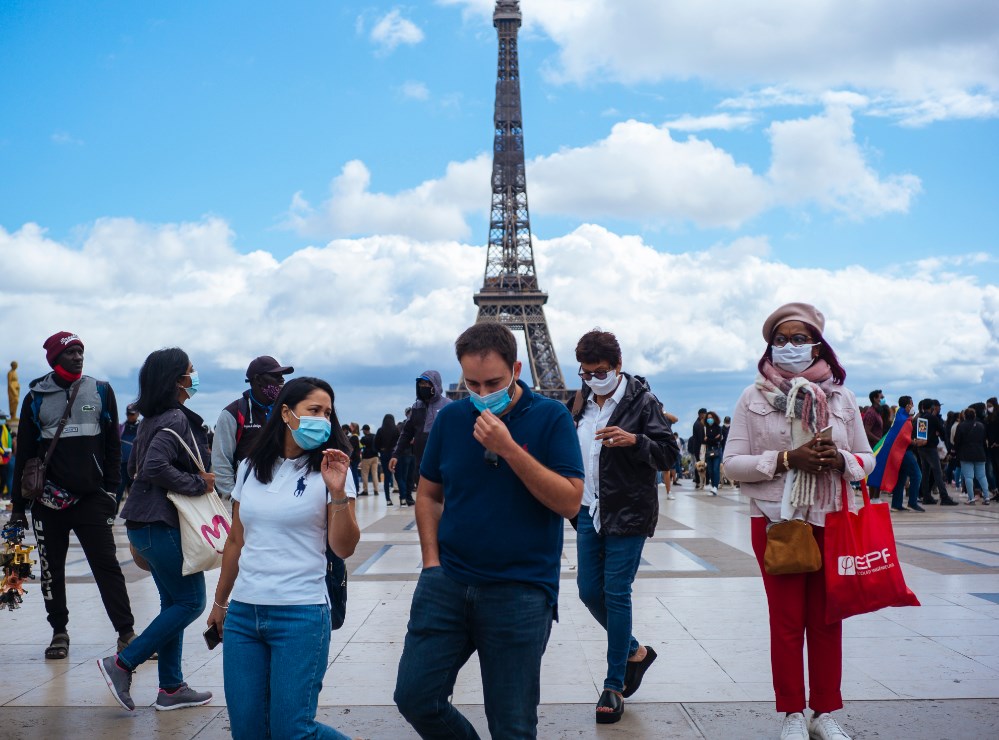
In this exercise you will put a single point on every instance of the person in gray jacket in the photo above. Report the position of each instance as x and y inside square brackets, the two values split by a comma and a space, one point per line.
[240, 422]
[430, 399]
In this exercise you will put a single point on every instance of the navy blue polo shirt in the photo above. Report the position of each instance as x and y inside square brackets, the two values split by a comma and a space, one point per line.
[492, 529]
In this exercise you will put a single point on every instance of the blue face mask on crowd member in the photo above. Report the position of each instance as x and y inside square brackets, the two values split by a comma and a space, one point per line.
[312, 431]
[791, 358]
[495, 402]
[710, 422]
[195, 382]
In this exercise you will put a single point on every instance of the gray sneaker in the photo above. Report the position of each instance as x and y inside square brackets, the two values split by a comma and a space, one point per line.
[182, 696]
[118, 680]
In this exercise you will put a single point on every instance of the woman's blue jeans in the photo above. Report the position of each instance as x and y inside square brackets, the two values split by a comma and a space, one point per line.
[182, 600]
[274, 660]
[714, 470]
[606, 570]
[973, 471]
[383, 459]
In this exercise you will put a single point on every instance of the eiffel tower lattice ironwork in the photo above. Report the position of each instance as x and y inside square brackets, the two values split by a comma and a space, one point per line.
[510, 292]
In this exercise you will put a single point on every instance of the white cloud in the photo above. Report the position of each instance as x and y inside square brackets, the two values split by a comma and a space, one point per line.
[847, 184]
[639, 171]
[374, 304]
[392, 29]
[415, 90]
[916, 53]
[716, 122]
[434, 209]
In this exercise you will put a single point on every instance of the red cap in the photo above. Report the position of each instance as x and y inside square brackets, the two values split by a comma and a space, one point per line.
[59, 343]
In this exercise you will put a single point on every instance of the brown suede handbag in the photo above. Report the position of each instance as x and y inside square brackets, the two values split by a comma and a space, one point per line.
[33, 475]
[791, 548]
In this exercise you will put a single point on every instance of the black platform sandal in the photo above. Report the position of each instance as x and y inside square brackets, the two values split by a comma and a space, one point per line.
[58, 649]
[613, 701]
[635, 670]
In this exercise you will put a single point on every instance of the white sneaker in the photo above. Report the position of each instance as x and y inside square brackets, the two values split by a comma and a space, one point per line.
[794, 727]
[714, 490]
[670, 497]
[824, 727]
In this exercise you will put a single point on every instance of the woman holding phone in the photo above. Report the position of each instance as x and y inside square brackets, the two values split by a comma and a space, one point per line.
[796, 435]
[293, 494]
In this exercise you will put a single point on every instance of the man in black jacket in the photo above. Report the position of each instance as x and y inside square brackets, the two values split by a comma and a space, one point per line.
[81, 479]
[430, 399]
[624, 439]
[694, 446]
[929, 455]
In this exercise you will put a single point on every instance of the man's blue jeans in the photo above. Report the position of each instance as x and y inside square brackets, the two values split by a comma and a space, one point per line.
[274, 660]
[182, 600]
[908, 469]
[403, 463]
[607, 568]
[507, 623]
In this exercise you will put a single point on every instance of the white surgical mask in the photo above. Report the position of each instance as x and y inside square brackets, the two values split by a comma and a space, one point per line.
[793, 359]
[604, 387]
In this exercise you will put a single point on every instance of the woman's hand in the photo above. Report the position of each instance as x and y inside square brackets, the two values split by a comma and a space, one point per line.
[217, 617]
[334, 469]
[209, 479]
[615, 437]
[816, 456]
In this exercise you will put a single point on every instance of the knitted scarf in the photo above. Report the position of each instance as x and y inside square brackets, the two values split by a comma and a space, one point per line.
[803, 400]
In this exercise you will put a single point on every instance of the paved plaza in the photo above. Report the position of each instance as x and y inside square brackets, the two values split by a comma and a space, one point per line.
[918, 672]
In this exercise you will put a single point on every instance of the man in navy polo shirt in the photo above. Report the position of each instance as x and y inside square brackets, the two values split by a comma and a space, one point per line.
[507, 464]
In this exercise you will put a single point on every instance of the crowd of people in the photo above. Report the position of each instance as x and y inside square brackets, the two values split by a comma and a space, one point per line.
[491, 479]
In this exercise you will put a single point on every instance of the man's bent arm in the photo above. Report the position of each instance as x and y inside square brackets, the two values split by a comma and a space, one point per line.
[560, 494]
[429, 508]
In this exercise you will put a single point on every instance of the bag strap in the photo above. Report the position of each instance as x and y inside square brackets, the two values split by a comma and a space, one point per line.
[196, 458]
[863, 488]
[62, 423]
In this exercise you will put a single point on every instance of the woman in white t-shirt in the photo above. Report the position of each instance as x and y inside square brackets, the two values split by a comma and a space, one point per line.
[292, 493]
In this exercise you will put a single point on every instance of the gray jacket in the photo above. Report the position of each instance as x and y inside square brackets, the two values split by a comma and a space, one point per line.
[159, 464]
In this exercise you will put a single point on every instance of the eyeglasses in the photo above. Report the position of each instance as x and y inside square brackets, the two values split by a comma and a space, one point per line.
[598, 374]
[796, 339]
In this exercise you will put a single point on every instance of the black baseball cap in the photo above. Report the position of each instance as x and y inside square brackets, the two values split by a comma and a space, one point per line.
[266, 365]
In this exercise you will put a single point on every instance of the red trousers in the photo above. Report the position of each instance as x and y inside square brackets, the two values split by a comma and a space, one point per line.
[798, 613]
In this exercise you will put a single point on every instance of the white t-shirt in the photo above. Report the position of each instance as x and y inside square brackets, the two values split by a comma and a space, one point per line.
[283, 560]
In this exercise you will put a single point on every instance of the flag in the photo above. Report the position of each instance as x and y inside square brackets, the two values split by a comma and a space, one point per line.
[890, 451]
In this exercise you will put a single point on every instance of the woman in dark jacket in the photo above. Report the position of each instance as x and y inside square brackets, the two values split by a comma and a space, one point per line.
[992, 442]
[159, 463]
[969, 443]
[714, 443]
[385, 439]
[625, 439]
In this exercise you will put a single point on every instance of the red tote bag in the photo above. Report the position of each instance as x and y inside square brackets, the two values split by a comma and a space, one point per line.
[862, 569]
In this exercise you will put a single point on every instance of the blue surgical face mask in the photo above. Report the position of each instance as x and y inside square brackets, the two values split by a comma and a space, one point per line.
[195, 381]
[495, 402]
[312, 431]
[710, 422]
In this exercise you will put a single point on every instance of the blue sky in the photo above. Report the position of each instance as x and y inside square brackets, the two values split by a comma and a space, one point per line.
[311, 180]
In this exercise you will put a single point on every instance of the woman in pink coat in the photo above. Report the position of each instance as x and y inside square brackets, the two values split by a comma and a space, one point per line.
[789, 470]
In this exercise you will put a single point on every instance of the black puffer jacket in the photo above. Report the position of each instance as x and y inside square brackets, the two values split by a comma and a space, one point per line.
[969, 442]
[629, 497]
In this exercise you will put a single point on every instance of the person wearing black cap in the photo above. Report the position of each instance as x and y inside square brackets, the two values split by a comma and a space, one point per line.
[241, 421]
[81, 478]
[126, 433]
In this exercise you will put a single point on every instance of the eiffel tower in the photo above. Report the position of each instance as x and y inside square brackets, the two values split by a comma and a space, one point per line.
[510, 292]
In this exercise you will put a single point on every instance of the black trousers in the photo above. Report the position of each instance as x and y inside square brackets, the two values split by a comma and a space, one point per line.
[90, 520]
[929, 462]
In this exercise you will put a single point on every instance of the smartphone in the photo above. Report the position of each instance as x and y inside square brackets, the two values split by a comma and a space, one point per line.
[825, 434]
[212, 637]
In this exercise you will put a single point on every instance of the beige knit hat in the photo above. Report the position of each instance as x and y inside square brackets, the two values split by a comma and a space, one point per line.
[793, 312]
